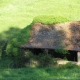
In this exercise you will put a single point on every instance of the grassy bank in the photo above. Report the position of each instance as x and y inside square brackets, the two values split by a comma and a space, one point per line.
[16, 17]
[20, 13]
[39, 74]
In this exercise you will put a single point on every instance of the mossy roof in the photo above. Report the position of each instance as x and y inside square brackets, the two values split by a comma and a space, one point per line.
[56, 36]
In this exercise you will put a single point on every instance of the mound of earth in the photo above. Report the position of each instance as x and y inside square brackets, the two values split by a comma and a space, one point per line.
[63, 35]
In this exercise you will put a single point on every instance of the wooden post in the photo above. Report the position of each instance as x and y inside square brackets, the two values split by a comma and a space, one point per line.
[78, 56]
[46, 51]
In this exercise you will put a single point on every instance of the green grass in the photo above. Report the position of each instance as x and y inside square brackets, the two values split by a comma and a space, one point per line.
[39, 74]
[20, 13]
[50, 19]
[15, 19]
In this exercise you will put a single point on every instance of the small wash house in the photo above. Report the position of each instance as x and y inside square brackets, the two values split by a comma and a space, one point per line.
[56, 36]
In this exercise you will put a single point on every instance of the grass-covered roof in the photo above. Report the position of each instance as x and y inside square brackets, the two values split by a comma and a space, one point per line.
[55, 36]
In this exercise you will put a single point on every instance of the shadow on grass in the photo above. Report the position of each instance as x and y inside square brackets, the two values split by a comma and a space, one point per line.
[10, 42]
[6, 36]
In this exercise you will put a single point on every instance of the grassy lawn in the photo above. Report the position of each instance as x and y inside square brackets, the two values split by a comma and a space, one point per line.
[40, 74]
[15, 19]
[20, 13]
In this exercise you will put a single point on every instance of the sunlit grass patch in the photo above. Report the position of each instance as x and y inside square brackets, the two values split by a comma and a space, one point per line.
[21, 13]
[50, 19]
[4, 3]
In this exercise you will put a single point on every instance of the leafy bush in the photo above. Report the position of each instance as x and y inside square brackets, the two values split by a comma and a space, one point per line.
[24, 59]
[17, 40]
[62, 49]
[68, 65]
[29, 56]
[41, 60]
[6, 63]
[45, 60]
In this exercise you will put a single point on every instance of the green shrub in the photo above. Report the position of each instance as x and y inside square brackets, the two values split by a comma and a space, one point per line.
[17, 40]
[45, 60]
[40, 60]
[24, 59]
[68, 65]
[3, 49]
[6, 63]
[62, 49]
[28, 56]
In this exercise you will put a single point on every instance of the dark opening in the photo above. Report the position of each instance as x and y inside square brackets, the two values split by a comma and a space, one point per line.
[72, 56]
[35, 51]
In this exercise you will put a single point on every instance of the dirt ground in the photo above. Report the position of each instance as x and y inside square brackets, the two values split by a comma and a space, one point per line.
[62, 61]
